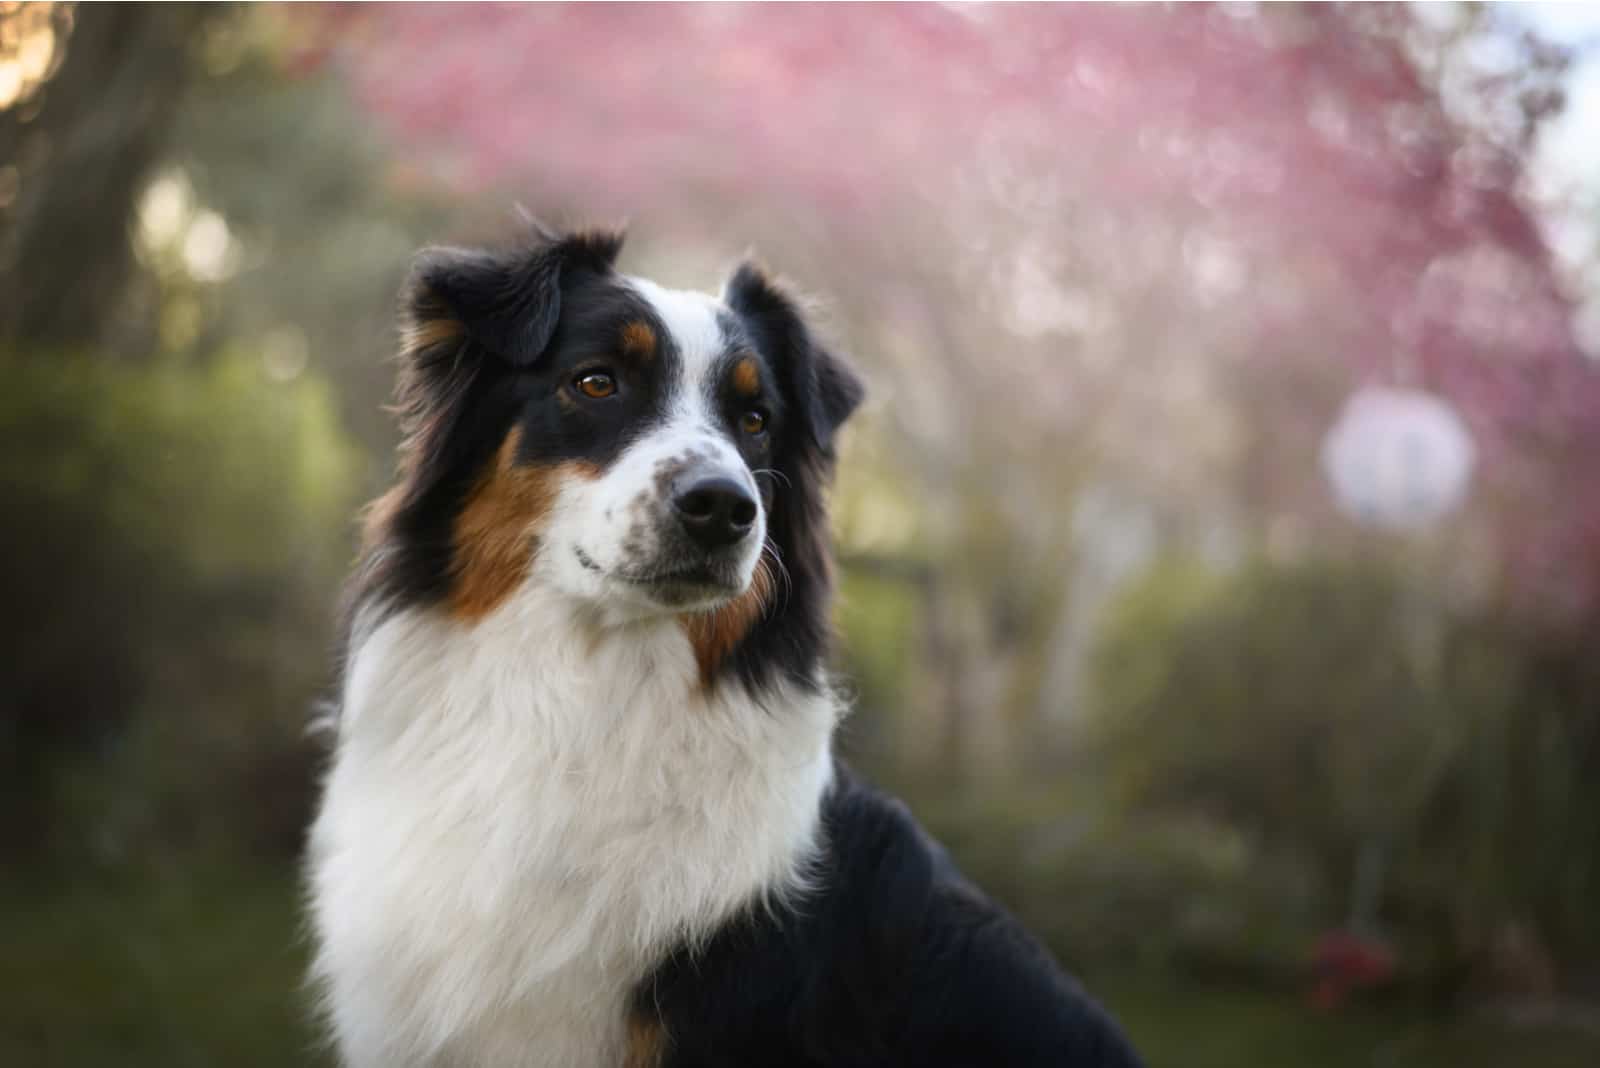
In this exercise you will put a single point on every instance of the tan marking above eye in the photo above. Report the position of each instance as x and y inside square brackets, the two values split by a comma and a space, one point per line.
[597, 385]
[753, 422]
[747, 377]
[639, 339]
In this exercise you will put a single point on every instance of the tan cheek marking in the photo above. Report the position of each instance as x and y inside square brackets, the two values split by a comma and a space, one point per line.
[647, 1041]
[639, 340]
[747, 377]
[713, 635]
[492, 539]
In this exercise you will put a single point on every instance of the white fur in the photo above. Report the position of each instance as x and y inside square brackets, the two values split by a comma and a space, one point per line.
[615, 519]
[691, 319]
[524, 814]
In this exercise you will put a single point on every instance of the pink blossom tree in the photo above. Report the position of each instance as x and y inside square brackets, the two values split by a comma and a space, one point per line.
[1062, 231]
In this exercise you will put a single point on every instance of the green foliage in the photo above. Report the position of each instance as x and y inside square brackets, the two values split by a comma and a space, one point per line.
[179, 532]
[1108, 889]
[1286, 698]
[877, 625]
[1329, 712]
[252, 467]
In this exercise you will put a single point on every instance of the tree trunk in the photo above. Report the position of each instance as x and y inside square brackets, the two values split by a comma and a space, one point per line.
[83, 149]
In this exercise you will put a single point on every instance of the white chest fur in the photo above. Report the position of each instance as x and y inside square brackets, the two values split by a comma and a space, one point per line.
[524, 814]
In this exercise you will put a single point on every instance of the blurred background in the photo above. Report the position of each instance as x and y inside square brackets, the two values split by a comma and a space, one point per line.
[1221, 545]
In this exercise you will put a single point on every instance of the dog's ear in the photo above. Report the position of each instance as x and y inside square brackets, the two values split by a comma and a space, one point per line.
[508, 301]
[840, 392]
[469, 316]
[822, 384]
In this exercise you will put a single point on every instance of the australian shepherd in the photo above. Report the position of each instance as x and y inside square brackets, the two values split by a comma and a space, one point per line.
[583, 809]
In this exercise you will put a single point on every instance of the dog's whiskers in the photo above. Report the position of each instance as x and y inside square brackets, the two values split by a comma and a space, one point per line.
[775, 473]
[776, 557]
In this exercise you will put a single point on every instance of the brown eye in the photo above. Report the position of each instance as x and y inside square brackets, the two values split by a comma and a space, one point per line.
[596, 385]
[753, 423]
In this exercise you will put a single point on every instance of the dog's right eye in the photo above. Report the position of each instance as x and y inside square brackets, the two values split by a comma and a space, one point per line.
[595, 385]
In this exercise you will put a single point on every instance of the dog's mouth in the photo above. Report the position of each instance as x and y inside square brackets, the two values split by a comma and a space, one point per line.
[700, 586]
[694, 584]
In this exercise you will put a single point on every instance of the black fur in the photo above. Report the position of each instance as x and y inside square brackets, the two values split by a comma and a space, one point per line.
[893, 961]
[791, 640]
[526, 316]
[824, 386]
[511, 301]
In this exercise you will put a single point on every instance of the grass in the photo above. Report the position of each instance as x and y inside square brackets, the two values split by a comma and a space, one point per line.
[1194, 1026]
[203, 968]
[176, 970]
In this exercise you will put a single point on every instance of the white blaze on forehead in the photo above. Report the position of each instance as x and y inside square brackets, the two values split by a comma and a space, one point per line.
[691, 320]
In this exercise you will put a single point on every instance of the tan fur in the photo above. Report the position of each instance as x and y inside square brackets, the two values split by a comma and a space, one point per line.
[747, 377]
[715, 634]
[639, 340]
[493, 546]
[430, 332]
[378, 516]
[647, 1041]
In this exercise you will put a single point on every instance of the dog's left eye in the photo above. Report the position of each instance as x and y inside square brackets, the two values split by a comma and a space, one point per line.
[596, 385]
[753, 422]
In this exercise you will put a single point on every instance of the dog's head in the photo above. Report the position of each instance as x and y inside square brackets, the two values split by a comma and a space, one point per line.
[642, 451]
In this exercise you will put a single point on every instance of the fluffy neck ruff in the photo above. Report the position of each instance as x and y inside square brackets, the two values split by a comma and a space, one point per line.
[526, 813]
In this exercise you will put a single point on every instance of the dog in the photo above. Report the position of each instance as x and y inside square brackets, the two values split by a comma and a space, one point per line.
[582, 809]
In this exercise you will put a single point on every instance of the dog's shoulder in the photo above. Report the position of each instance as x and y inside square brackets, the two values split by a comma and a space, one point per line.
[892, 958]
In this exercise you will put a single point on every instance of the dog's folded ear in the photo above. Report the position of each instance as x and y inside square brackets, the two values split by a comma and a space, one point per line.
[822, 384]
[506, 301]
[840, 392]
[469, 316]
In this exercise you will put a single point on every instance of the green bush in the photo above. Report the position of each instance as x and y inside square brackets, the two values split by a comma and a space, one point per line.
[174, 538]
[1109, 890]
[1434, 774]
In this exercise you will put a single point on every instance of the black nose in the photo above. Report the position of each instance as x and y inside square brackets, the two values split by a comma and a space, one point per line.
[714, 511]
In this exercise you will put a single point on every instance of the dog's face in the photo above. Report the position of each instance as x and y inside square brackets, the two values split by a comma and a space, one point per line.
[643, 451]
[661, 412]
